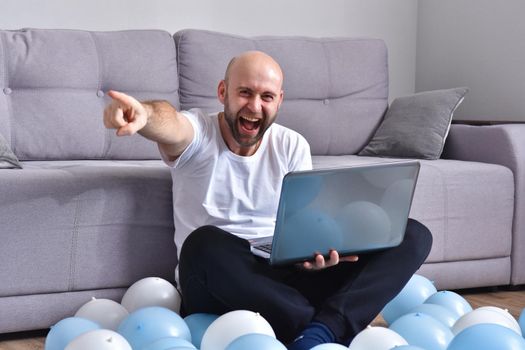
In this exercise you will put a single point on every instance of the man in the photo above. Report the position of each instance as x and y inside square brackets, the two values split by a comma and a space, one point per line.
[227, 170]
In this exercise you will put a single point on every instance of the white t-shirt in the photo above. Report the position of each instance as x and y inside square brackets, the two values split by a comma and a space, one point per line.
[213, 186]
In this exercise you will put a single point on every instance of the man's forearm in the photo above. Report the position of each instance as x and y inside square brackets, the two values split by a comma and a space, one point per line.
[166, 126]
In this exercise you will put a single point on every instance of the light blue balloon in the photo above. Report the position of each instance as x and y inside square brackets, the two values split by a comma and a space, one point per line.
[415, 292]
[407, 347]
[485, 336]
[450, 300]
[330, 346]
[422, 330]
[521, 322]
[440, 313]
[169, 343]
[66, 330]
[198, 324]
[255, 341]
[148, 324]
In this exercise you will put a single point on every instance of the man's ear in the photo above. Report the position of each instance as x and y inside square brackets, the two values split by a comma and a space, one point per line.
[281, 96]
[221, 91]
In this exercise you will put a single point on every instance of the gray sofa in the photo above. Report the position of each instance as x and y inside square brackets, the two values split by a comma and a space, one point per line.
[90, 213]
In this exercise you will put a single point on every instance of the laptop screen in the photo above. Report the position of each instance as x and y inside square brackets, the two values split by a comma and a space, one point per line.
[352, 210]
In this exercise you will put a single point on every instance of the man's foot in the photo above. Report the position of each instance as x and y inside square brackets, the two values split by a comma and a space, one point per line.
[314, 334]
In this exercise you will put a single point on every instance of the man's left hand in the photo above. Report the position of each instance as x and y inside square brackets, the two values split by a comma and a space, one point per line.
[320, 262]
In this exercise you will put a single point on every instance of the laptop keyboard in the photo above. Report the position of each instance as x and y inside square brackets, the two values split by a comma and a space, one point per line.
[265, 247]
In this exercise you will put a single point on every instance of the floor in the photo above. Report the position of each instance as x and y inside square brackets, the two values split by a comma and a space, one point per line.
[513, 301]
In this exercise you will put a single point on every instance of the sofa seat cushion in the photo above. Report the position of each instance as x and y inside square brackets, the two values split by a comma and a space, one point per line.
[88, 224]
[468, 206]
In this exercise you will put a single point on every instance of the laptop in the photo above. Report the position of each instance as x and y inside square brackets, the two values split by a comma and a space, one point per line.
[353, 210]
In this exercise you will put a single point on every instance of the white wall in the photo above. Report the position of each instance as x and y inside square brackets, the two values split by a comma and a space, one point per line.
[475, 43]
[393, 21]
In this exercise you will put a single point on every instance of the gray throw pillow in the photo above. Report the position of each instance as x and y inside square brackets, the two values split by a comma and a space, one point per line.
[7, 158]
[416, 126]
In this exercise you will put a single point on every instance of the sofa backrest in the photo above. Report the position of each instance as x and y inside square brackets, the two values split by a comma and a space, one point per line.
[53, 85]
[336, 90]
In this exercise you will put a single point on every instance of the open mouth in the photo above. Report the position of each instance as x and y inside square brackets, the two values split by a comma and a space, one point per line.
[250, 124]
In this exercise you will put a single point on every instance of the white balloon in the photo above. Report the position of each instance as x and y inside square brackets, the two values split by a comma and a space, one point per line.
[107, 313]
[100, 339]
[151, 291]
[329, 346]
[504, 313]
[484, 315]
[232, 325]
[377, 338]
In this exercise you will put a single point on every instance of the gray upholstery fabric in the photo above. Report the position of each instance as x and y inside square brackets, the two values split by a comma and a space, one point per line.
[7, 158]
[466, 273]
[335, 89]
[416, 126]
[53, 84]
[88, 224]
[39, 311]
[504, 145]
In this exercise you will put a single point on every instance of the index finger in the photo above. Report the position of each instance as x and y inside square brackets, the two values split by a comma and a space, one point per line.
[122, 99]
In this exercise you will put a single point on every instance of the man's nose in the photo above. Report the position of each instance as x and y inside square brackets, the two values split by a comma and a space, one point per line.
[255, 104]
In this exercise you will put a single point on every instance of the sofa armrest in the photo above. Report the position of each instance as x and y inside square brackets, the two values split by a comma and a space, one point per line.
[504, 145]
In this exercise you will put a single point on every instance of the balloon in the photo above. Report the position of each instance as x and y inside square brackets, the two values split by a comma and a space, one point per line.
[329, 346]
[377, 338]
[148, 324]
[151, 291]
[232, 325]
[169, 343]
[100, 339]
[107, 313]
[485, 316]
[415, 292]
[255, 341]
[66, 330]
[440, 313]
[422, 330]
[521, 321]
[407, 347]
[198, 324]
[505, 313]
[452, 301]
[487, 337]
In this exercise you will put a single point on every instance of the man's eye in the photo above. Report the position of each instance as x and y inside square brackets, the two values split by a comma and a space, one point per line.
[244, 93]
[267, 98]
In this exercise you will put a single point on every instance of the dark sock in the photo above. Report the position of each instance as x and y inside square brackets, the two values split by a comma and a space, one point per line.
[314, 334]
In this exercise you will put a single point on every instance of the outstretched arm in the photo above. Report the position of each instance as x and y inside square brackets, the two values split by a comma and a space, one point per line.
[155, 120]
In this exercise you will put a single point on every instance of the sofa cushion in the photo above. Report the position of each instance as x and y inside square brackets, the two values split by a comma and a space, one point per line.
[7, 158]
[480, 230]
[89, 224]
[416, 126]
[53, 84]
[335, 89]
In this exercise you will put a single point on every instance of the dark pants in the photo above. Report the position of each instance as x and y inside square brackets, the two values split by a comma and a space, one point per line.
[219, 274]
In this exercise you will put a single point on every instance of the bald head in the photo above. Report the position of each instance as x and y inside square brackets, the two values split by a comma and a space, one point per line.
[254, 63]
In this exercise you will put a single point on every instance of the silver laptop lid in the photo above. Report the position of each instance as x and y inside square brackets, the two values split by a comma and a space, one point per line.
[353, 210]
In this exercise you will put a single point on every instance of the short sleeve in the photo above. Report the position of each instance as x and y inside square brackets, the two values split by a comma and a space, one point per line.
[300, 156]
[201, 124]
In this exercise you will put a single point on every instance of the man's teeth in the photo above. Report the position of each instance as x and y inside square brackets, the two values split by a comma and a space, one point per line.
[250, 119]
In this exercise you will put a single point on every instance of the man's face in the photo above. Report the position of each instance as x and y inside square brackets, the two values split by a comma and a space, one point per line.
[251, 96]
